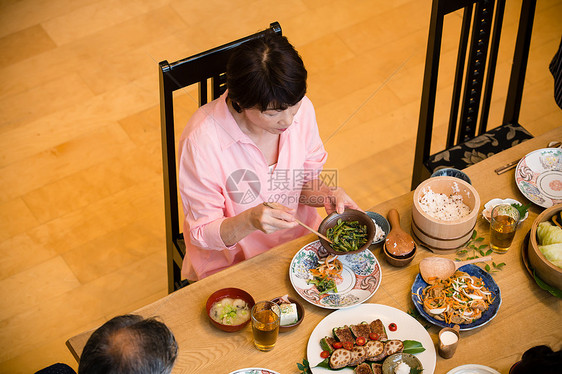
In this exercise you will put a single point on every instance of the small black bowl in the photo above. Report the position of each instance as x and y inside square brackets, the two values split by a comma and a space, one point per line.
[451, 172]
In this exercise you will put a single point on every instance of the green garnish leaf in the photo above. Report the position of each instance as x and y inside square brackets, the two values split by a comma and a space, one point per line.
[304, 367]
[553, 291]
[522, 209]
[413, 347]
[325, 364]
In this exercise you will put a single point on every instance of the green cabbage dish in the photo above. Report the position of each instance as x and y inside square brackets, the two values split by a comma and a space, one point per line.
[550, 242]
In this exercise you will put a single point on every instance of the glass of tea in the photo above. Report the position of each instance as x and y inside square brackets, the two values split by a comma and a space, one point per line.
[265, 324]
[503, 224]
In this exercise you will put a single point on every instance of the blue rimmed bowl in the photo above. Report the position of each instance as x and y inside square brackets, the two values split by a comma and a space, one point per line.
[451, 172]
[382, 223]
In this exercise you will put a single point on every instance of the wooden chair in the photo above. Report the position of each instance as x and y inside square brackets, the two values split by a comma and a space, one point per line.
[198, 69]
[467, 133]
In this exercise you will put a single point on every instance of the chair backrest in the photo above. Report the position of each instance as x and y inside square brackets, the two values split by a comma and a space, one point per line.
[474, 75]
[204, 69]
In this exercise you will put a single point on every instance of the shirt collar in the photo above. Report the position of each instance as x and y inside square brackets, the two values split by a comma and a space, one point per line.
[227, 128]
[229, 131]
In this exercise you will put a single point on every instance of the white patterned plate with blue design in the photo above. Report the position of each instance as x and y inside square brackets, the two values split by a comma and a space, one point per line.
[254, 371]
[361, 277]
[538, 176]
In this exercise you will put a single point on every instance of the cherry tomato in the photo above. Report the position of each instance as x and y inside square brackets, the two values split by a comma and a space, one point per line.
[374, 336]
[337, 345]
[392, 327]
[348, 345]
[325, 354]
[360, 341]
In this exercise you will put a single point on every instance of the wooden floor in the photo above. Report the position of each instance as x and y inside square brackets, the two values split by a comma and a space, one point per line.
[81, 208]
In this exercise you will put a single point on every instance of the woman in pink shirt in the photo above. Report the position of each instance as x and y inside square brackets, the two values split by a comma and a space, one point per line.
[257, 143]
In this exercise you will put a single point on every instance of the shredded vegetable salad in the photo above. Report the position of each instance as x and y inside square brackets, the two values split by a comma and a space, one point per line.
[460, 299]
[327, 274]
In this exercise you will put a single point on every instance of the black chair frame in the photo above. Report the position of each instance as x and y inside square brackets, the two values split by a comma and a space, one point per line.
[198, 69]
[486, 17]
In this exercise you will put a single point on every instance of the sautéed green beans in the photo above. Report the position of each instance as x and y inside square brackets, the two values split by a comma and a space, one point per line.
[347, 236]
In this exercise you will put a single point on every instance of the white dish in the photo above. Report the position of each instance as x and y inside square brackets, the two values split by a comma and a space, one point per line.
[473, 369]
[539, 176]
[408, 329]
[254, 371]
[487, 211]
[361, 277]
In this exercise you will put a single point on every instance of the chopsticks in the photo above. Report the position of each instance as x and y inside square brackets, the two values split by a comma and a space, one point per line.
[506, 167]
[302, 224]
[513, 164]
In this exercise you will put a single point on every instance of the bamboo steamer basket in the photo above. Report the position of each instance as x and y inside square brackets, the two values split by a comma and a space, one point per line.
[544, 269]
[445, 235]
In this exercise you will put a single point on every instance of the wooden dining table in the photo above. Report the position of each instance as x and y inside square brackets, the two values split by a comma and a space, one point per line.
[528, 315]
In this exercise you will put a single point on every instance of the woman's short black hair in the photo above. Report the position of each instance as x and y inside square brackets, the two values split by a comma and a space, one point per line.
[266, 73]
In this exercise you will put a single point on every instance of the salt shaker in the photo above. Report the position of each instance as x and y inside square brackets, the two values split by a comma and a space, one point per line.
[448, 341]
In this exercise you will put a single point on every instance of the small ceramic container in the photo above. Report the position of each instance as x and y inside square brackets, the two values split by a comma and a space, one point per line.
[448, 341]
[399, 261]
[487, 211]
[382, 223]
[451, 172]
[300, 312]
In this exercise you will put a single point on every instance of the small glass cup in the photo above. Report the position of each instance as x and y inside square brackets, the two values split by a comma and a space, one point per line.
[265, 324]
[503, 224]
[448, 341]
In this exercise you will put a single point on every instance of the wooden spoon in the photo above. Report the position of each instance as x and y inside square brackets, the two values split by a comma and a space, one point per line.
[398, 242]
[432, 268]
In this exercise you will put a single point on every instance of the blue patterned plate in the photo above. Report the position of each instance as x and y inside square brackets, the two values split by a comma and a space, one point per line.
[254, 371]
[473, 270]
[361, 277]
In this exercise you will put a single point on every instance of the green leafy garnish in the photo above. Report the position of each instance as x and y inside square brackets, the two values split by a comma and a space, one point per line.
[412, 347]
[522, 209]
[304, 367]
[477, 249]
[324, 285]
[553, 291]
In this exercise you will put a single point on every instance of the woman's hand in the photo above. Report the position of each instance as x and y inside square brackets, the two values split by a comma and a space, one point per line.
[267, 219]
[271, 217]
[338, 201]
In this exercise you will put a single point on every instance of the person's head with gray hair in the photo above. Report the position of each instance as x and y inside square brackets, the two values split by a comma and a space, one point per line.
[129, 344]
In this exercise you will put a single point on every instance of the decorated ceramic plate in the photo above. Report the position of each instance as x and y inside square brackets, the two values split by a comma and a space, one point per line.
[539, 176]
[361, 277]
[254, 371]
[473, 270]
[408, 328]
[473, 369]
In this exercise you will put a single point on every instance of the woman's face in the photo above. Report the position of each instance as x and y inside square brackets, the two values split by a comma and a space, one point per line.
[274, 121]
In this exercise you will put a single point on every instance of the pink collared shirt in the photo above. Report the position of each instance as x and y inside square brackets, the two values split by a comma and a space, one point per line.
[223, 173]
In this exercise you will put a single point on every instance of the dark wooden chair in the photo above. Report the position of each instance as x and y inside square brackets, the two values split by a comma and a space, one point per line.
[206, 69]
[468, 138]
